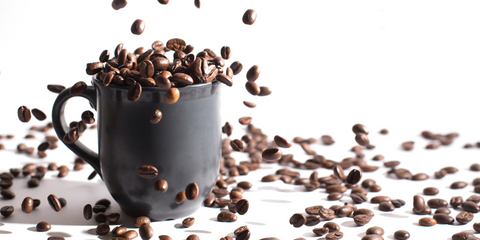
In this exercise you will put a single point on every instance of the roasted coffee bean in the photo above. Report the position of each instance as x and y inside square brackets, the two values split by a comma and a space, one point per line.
[24, 114]
[320, 231]
[312, 220]
[326, 213]
[7, 194]
[88, 117]
[33, 182]
[334, 235]
[6, 184]
[458, 185]
[39, 114]
[476, 227]
[470, 206]
[474, 198]
[398, 203]
[418, 203]
[401, 235]
[443, 210]
[166, 237]
[358, 197]
[237, 145]
[146, 231]
[282, 142]
[297, 220]
[92, 69]
[99, 209]
[343, 211]
[172, 95]
[87, 212]
[119, 4]
[327, 140]
[313, 210]
[252, 88]
[436, 203]
[180, 197]
[134, 92]
[249, 17]
[105, 202]
[236, 67]
[271, 154]
[245, 185]
[443, 218]
[176, 44]
[54, 203]
[379, 199]
[55, 88]
[112, 217]
[464, 217]
[375, 231]
[245, 120]
[103, 228]
[161, 186]
[338, 172]
[147, 171]
[372, 237]
[119, 230]
[78, 88]
[364, 211]
[226, 52]
[353, 177]
[138, 26]
[360, 128]
[362, 139]
[225, 79]
[43, 146]
[264, 91]
[156, 117]
[362, 219]
[188, 222]
[332, 227]
[450, 169]
[463, 236]
[7, 210]
[402, 173]
[336, 188]
[253, 73]
[249, 104]
[130, 234]
[43, 226]
[386, 206]
[334, 196]
[141, 220]
[100, 217]
[242, 206]
[430, 191]
[427, 221]
[192, 191]
[226, 216]
[419, 177]
[407, 146]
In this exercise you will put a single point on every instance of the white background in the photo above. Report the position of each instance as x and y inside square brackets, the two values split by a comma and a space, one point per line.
[406, 66]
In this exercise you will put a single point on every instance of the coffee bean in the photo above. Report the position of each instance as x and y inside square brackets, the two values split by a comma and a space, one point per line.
[180, 197]
[358, 197]
[334, 235]
[436, 203]
[443, 210]
[326, 213]
[282, 142]
[362, 139]
[364, 211]
[470, 206]
[476, 227]
[249, 17]
[236, 67]
[464, 217]
[172, 95]
[161, 186]
[430, 191]
[401, 235]
[418, 203]
[147, 171]
[375, 231]
[119, 230]
[264, 91]
[55, 88]
[39, 114]
[176, 44]
[43, 226]
[7, 194]
[130, 234]
[24, 114]
[225, 79]
[245, 185]
[166, 237]
[332, 227]
[33, 182]
[146, 231]
[192, 191]
[327, 140]
[450, 169]
[379, 199]
[245, 120]
[226, 216]
[99, 209]
[362, 219]
[237, 145]
[249, 104]
[271, 154]
[242, 206]
[372, 237]
[141, 220]
[338, 172]
[188, 222]
[420, 177]
[463, 236]
[87, 212]
[398, 203]
[354, 176]
[320, 231]
[134, 92]
[312, 220]
[427, 221]
[360, 128]
[7, 210]
[103, 228]
[54, 203]
[474, 198]
[402, 173]
[78, 88]
[407, 146]
[443, 218]
[458, 185]
[138, 26]
[119, 4]
[386, 206]
[252, 88]
[297, 220]
[334, 196]
[253, 73]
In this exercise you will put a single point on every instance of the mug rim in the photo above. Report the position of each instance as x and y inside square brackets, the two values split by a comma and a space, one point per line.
[186, 88]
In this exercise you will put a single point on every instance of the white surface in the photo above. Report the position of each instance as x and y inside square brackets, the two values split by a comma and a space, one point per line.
[406, 66]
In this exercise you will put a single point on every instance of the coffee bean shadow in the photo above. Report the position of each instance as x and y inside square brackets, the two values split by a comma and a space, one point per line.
[91, 231]
[76, 193]
[360, 235]
[276, 201]
[33, 229]
[5, 232]
[297, 189]
[350, 224]
[310, 235]
[1, 224]
[179, 225]
[198, 231]
[256, 223]
[59, 234]
[390, 237]
[393, 215]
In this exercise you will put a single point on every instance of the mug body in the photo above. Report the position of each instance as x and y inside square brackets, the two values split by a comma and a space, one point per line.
[185, 146]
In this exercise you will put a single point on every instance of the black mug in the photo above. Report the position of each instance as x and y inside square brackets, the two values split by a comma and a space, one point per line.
[185, 146]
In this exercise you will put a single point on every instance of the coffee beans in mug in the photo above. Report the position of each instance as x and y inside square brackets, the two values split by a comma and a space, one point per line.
[43, 226]
[147, 171]
[249, 17]
[134, 92]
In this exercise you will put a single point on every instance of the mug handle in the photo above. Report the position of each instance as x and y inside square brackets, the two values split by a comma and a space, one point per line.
[61, 127]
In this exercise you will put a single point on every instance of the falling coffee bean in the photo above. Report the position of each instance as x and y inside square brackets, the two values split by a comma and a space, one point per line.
[353, 177]
[78, 88]
[360, 128]
[282, 142]
[156, 117]
[39, 114]
[134, 92]
[192, 191]
[362, 139]
[147, 171]
[271, 154]
[138, 27]
[249, 17]
[87, 212]
[172, 95]
[24, 114]
[180, 197]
